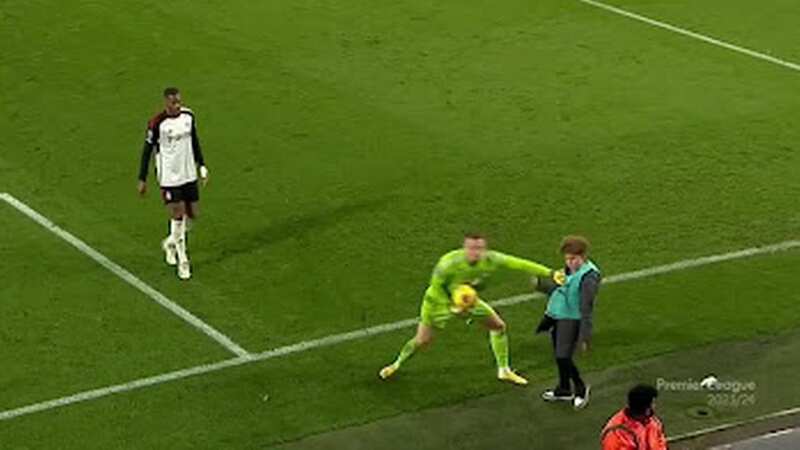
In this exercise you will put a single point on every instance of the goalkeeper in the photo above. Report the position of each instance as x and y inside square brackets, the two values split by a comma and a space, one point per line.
[452, 294]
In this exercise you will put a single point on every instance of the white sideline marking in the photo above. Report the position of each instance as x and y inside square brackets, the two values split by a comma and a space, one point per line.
[125, 387]
[755, 440]
[738, 423]
[365, 332]
[694, 35]
[128, 277]
[667, 268]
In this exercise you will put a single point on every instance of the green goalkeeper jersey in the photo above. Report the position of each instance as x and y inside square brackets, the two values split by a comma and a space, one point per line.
[453, 270]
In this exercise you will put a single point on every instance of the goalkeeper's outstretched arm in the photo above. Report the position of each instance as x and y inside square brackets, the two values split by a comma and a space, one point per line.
[516, 263]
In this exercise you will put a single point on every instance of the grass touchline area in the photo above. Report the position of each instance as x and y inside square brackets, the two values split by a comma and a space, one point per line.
[367, 332]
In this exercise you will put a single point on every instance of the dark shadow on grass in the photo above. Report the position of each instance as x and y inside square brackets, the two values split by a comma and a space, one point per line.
[295, 226]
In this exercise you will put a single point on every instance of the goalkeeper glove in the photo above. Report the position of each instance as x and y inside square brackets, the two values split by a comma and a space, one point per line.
[559, 277]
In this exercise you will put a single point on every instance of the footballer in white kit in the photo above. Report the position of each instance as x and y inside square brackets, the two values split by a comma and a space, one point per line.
[172, 140]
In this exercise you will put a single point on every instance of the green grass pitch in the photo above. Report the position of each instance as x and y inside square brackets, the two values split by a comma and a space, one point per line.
[350, 144]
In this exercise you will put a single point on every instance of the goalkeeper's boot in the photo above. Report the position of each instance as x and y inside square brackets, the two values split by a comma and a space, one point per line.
[388, 371]
[170, 252]
[506, 374]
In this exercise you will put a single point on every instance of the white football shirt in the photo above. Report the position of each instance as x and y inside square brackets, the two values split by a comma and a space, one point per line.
[174, 138]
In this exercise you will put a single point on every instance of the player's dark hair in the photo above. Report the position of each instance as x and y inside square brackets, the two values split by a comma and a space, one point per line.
[171, 91]
[640, 399]
[575, 245]
[474, 235]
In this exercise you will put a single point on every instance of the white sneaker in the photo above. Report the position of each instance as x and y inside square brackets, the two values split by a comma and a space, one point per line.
[580, 402]
[552, 395]
[184, 270]
[170, 252]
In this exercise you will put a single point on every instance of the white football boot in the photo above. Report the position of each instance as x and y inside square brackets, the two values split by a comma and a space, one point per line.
[184, 268]
[170, 252]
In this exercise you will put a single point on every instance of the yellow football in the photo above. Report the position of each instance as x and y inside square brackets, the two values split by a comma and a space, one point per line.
[465, 297]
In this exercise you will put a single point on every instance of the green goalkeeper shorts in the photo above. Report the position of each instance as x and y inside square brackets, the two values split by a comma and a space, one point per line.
[436, 315]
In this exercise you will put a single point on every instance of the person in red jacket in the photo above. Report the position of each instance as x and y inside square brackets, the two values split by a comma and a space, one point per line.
[635, 427]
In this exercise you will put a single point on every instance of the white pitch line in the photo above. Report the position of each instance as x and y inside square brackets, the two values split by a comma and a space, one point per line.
[694, 35]
[128, 277]
[363, 333]
[738, 423]
[125, 387]
[667, 268]
[758, 439]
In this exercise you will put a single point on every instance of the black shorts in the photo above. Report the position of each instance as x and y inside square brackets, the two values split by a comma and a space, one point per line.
[187, 193]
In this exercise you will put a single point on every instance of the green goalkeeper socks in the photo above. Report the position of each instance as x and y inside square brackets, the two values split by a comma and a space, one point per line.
[499, 341]
[406, 352]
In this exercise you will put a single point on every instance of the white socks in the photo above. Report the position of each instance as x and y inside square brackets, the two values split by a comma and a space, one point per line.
[176, 231]
[177, 234]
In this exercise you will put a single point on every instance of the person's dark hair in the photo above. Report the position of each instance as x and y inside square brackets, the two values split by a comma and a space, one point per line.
[640, 399]
[171, 91]
[474, 235]
[575, 245]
